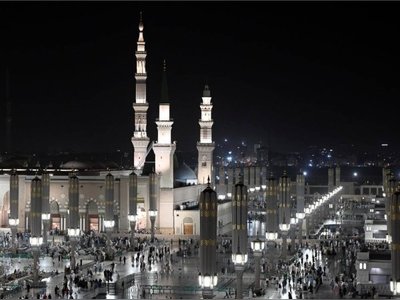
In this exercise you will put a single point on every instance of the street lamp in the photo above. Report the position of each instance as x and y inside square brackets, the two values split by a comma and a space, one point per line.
[239, 233]
[284, 210]
[257, 246]
[208, 278]
[395, 242]
[36, 226]
[13, 217]
[73, 229]
[153, 202]
[45, 205]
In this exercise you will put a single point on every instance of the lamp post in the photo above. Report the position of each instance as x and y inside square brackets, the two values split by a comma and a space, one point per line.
[45, 205]
[36, 226]
[13, 219]
[257, 246]
[208, 205]
[284, 210]
[293, 224]
[132, 217]
[271, 234]
[391, 188]
[300, 186]
[109, 222]
[395, 213]
[73, 210]
[307, 212]
[271, 210]
[239, 233]
[153, 202]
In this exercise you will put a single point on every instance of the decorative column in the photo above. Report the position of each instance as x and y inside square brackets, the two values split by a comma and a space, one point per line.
[153, 201]
[331, 179]
[246, 175]
[271, 210]
[271, 234]
[307, 212]
[252, 173]
[73, 210]
[337, 176]
[257, 246]
[132, 217]
[395, 257]
[13, 219]
[300, 185]
[109, 222]
[239, 233]
[36, 226]
[284, 210]
[391, 188]
[230, 182]
[208, 205]
[258, 178]
[45, 205]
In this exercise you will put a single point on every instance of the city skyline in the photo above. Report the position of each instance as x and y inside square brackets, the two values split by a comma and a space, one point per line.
[277, 72]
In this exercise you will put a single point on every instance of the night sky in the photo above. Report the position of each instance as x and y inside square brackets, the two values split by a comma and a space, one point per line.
[291, 74]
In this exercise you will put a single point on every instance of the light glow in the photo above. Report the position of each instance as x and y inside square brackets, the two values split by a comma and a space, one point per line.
[132, 218]
[257, 245]
[239, 259]
[45, 217]
[152, 213]
[109, 223]
[35, 241]
[74, 232]
[13, 222]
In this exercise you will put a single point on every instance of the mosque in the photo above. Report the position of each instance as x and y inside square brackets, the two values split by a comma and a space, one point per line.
[178, 187]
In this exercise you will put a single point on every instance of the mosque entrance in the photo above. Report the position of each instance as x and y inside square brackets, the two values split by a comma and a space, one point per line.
[55, 217]
[92, 218]
[187, 225]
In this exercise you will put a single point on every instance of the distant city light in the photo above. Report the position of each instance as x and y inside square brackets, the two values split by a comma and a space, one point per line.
[230, 152]
[229, 158]
[385, 145]
[310, 164]
[225, 140]
[355, 174]
[305, 173]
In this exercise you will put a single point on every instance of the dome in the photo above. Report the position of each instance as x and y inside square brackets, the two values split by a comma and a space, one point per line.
[73, 164]
[184, 173]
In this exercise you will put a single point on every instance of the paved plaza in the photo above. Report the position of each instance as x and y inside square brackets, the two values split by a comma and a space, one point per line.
[180, 281]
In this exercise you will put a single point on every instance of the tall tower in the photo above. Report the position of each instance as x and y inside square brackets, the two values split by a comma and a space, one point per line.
[205, 146]
[163, 149]
[140, 140]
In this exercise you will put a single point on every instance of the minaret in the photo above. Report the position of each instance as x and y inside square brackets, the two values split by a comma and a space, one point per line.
[140, 140]
[205, 146]
[164, 149]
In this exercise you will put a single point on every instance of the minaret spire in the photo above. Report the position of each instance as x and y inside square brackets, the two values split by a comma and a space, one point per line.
[206, 145]
[164, 148]
[164, 85]
[140, 140]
